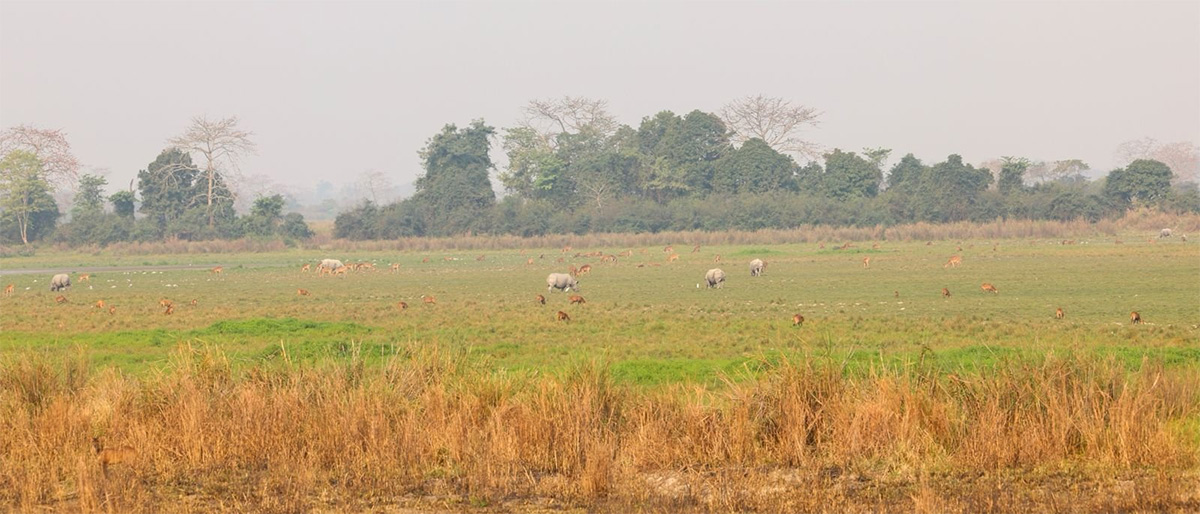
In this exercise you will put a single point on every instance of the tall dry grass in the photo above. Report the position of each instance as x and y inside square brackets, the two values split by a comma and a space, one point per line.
[425, 431]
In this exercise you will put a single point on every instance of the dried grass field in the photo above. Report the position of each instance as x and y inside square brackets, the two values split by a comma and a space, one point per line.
[658, 395]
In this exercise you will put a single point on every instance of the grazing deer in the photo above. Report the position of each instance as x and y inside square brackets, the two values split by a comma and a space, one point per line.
[566, 249]
[668, 249]
[577, 299]
[717, 259]
[866, 262]
[585, 269]
[673, 257]
[8, 290]
[988, 288]
[875, 246]
[696, 249]
[529, 261]
[573, 271]
[99, 304]
[85, 277]
[366, 266]
[395, 267]
[194, 302]
[1135, 318]
[302, 292]
[60, 299]
[626, 253]
[845, 246]
[341, 270]
[429, 299]
[1059, 314]
[822, 246]
[112, 310]
[170, 310]
[111, 456]
[541, 299]
[928, 243]
[797, 320]
[562, 316]
[609, 258]
[953, 262]
[218, 270]
[401, 305]
[480, 258]
[305, 268]
[164, 302]
[425, 260]
[945, 293]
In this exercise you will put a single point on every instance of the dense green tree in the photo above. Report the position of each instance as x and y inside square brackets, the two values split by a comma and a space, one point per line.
[26, 206]
[1144, 180]
[89, 197]
[947, 191]
[908, 169]
[123, 203]
[1012, 174]
[167, 186]
[294, 227]
[455, 189]
[754, 167]
[265, 216]
[849, 175]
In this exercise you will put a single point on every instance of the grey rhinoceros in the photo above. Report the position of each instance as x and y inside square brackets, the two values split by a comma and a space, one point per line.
[561, 281]
[715, 278]
[60, 281]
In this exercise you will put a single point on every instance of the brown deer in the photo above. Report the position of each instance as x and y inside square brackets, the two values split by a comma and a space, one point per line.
[480, 258]
[896, 294]
[302, 292]
[609, 258]
[429, 299]
[1135, 318]
[8, 290]
[988, 288]
[541, 299]
[797, 320]
[85, 277]
[395, 267]
[696, 249]
[401, 305]
[673, 257]
[305, 268]
[953, 262]
[218, 270]
[341, 270]
[626, 253]
[364, 266]
[99, 304]
[566, 249]
[112, 310]
[573, 271]
[60, 299]
[585, 269]
[425, 260]
[529, 261]
[945, 293]
[111, 456]
[194, 302]
[866, 262]
[1059, 314]
[717, 259]
[562, 316]
[577, 299]
[165, 302]
[668, 249]
[170, 310]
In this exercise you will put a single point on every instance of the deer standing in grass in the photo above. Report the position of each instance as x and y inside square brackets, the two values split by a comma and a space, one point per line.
[305, 268]
[111, 456]
[302, 292]
[945, 293]
[99, 304]
[218, 270]
[1059, 314]
[797, 320]
[60, 299]
[585, 269]
[989, 288]
[8, 290]
[866, 262]
[401, 305]
[577, 299]
[562, 316]
[673, 257]
[85, 277]
[953, 262]
[669, 249]
[1135, 318]
[541, 299]
[170, 310]
[429, 299]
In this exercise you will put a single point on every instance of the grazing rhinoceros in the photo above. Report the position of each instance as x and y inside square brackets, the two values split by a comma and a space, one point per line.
[756, 267]
[1166, 232]
[561, 281]
[715, 278]
[60, 281]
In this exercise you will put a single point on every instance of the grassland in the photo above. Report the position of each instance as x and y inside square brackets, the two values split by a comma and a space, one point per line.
[659, 395]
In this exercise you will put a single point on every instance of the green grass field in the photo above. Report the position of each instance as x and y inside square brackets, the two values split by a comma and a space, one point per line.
[650, 325]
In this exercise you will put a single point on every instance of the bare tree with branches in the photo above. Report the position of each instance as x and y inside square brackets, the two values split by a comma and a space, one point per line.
[550, 118]
[60, 167]
[1182, 157]
[773, 120]
[222, 144]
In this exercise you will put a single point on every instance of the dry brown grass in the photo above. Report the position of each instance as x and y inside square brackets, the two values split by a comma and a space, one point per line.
[426, 432]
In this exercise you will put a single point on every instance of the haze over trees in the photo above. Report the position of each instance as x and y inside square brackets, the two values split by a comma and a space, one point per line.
[573, 168]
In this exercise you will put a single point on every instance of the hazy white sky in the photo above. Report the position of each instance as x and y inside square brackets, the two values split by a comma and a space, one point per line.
[335, 89]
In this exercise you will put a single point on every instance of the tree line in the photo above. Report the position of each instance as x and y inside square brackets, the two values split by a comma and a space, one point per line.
[573, 169]
[175, 197]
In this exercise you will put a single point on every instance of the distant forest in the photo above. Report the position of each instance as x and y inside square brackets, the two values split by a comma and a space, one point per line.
[573, 169]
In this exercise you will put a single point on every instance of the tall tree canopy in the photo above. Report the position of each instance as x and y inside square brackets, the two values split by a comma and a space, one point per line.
[455, 188]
